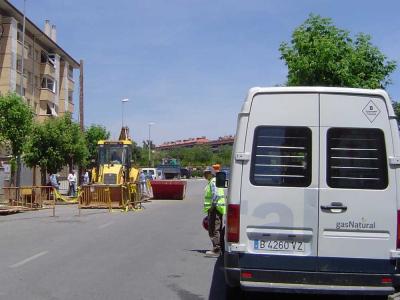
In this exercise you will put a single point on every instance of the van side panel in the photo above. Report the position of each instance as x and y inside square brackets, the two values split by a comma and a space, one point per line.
[235, 183]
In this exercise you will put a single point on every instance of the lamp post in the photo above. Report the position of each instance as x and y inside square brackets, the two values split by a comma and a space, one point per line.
[122, 108]
[149, 142]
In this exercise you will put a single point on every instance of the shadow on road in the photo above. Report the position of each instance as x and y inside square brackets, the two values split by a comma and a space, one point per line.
[217, 290]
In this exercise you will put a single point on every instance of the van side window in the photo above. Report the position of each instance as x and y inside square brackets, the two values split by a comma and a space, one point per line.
[281, 156]
[356, 159]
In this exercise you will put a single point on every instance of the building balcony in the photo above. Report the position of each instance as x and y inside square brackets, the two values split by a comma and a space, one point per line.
[47, 95]
[47, 69]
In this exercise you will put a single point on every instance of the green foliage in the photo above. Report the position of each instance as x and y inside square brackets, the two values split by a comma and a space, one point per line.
[45, 148]
[396, 107]
[93, 134]
[223, 155]
[75, 149]
[54, 144]
[322, 54]
[201, 155]
[16, 119]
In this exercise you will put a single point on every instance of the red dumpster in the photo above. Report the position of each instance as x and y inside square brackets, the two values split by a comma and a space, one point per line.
[168, 189]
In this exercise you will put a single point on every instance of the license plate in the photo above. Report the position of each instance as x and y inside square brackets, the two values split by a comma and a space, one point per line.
[290, 246]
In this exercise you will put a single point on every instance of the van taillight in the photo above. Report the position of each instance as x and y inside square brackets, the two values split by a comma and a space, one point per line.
[233, 222]
[398, 230]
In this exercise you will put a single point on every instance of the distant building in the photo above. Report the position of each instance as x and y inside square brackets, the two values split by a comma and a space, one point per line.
[191, 142]
[48, 83]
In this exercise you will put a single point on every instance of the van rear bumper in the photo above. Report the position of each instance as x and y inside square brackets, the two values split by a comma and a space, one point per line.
[315, 289]
[290, 281]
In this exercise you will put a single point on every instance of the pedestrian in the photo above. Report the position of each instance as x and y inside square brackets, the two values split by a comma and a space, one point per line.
[142, 181]
[214, 206]
[71, 183]
[86, 177]
[54, 181]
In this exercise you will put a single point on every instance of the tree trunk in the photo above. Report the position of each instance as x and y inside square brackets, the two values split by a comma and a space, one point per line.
[18, 173]
[43, 174]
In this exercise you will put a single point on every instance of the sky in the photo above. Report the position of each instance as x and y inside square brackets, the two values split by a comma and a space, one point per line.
[186, 65]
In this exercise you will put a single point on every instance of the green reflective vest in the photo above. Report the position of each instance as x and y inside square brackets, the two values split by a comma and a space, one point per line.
[208, 198]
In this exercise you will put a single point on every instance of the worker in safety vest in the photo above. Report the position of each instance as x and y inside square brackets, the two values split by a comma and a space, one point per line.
[214, 206]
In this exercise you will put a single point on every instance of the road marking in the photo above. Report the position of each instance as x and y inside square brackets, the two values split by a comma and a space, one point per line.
[105, 225]
[22, 262]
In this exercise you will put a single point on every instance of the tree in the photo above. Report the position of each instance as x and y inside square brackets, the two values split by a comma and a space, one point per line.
[54, 144]
[75, 149]
[45, 149]
[93, 134]
[16, 119]
[322, 54]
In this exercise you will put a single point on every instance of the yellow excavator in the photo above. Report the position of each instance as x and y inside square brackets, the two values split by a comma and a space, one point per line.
[114, 179]
[114, 163]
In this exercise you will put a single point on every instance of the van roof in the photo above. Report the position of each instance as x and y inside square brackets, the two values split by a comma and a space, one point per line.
[315, 89]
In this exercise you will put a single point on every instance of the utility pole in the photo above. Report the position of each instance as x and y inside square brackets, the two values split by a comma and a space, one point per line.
[81, 112]
[149, 142]
[81, 118]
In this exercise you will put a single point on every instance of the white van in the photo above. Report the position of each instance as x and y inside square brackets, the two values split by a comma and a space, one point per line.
[150, 173]
[313, 200]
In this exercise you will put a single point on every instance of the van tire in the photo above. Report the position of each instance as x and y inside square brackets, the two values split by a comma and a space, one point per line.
[233, 293]
[222, 240]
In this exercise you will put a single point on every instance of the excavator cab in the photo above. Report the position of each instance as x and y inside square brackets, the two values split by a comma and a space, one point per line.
[114, 161]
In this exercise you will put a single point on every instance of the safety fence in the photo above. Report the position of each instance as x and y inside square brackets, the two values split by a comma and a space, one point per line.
[110, 196]
[30, 197]
[129, 196]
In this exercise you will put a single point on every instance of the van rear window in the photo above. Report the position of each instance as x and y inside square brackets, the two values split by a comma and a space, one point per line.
[356, 159]
[281, 156]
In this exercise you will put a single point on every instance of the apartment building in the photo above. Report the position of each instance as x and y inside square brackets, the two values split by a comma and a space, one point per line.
[45, 78]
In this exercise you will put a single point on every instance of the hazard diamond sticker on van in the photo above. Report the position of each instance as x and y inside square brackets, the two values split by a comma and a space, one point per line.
[371, 111]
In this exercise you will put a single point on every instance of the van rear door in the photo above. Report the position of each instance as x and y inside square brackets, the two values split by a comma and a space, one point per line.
[357, 206]
[279, 193]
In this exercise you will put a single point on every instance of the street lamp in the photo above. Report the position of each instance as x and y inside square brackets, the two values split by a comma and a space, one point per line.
[148, 144]
[123, 101]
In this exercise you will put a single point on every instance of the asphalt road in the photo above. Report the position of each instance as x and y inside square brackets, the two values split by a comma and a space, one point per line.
[156, 253]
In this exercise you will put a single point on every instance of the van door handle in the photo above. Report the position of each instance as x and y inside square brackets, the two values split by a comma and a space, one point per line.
[335, 207]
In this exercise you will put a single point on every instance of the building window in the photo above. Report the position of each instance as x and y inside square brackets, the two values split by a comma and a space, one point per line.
[70, 72]
[19, 36]
[70, 96]
[48, 83]
[18, 90]
[30, 50]
[356, 159]
[43, 57]
[281, 156]
[19, 63]
[52, 59]
[51, 110]
[30, 78]
[48, 58]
